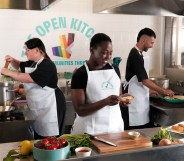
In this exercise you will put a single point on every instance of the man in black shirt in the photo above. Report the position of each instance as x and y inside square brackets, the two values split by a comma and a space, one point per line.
[139, 84]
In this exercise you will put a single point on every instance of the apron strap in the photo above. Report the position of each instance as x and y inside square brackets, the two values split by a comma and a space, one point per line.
[87, 69]
[125, 85]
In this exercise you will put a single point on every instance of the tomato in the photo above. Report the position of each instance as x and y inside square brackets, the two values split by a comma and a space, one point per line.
[63, 142]
[51, 139]
[51, 147]
[45, 141]
[40, 145]
[21, 91]
[57, 145]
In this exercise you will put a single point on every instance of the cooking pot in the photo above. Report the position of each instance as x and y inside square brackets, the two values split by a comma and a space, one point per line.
[7, 93]
[162, 82]
[6, 110]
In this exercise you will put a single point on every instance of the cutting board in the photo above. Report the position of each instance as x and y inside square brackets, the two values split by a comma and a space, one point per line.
[122, 141]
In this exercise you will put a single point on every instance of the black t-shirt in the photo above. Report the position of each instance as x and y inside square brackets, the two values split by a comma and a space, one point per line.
[135, 66]
[45, 73]
[80, 77]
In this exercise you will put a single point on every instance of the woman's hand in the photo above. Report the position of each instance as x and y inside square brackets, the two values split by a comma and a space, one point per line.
[8, 58]
[125, 99]
[112, 100]
[4, 71]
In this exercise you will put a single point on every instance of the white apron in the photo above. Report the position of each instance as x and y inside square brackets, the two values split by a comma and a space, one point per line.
[42, 106]
[100, 85]
[139, 107]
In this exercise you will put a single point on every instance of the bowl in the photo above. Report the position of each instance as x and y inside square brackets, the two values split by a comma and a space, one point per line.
[133, 134]
[83, 151]
[51, 155]
[181, 141]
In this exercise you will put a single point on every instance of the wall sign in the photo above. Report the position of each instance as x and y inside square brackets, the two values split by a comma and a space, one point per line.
[63, 49]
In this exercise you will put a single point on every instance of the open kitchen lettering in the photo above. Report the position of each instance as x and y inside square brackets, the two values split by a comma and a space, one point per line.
[61, 22]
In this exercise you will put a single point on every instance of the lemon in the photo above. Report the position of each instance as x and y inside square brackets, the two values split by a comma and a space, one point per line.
[26, 147]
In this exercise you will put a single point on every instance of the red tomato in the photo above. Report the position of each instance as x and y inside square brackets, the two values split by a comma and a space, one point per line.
[40, 145]
[21, 91]
[45, 141]
[63, 142]
[51, 147]
[57, 145]
[51, 139]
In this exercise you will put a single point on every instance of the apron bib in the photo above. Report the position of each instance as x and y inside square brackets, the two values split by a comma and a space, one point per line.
[42, 107]
[101, 84]
[139, 107]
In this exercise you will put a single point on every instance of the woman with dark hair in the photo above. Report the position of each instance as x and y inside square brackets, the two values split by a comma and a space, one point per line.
[45, 100]
[96, 88]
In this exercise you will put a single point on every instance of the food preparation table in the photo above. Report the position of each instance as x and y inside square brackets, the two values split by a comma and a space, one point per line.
[167, 153]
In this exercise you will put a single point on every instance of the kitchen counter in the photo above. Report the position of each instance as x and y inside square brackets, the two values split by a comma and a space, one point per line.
[167, 153]
[164, 113]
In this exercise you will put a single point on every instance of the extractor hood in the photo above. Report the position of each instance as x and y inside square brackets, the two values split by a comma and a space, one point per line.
[26, 4]
[149, 7]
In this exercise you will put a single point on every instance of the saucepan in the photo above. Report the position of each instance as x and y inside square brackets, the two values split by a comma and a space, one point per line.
[6, 110]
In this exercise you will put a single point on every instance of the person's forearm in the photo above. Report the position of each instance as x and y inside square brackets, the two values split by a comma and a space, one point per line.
[22, 77]
[153, 86]
[15, 63]
[87, 109]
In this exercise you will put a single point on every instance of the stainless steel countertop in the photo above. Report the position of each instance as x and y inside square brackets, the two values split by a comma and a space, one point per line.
[164, 113]
[156, 153]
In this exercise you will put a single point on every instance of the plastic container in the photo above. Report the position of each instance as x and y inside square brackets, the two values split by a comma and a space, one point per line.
[51, 155]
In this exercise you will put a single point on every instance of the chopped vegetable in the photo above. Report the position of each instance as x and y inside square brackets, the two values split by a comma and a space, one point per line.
[77, 140]
[162, 134]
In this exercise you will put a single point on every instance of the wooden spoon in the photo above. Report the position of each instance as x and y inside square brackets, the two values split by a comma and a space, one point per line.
[6, 64]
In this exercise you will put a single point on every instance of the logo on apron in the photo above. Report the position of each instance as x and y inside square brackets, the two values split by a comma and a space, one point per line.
[107, 85]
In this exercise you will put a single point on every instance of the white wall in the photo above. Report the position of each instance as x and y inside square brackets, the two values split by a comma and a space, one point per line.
[17, 25]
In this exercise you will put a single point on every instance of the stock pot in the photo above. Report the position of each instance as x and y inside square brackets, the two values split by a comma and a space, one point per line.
[7, 94]
[162, 82]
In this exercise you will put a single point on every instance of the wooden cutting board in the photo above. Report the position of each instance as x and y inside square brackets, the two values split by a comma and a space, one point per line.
[122, 141]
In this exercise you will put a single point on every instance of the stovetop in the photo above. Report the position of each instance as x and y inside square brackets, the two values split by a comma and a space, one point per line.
[12, 115]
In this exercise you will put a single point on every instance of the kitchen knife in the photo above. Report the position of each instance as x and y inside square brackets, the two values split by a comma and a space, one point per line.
[101, 140]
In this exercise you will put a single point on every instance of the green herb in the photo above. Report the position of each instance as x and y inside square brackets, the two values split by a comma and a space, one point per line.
[77, 140]
[9, 157]
[162, 133]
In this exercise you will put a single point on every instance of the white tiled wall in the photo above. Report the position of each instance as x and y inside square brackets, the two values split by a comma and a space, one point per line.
[123, 29]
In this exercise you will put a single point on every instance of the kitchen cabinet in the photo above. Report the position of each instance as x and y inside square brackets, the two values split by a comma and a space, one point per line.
[13, 131]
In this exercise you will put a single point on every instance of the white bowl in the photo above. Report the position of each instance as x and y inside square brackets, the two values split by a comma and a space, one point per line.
[133, 134]
[181, 140]
[83, 151]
